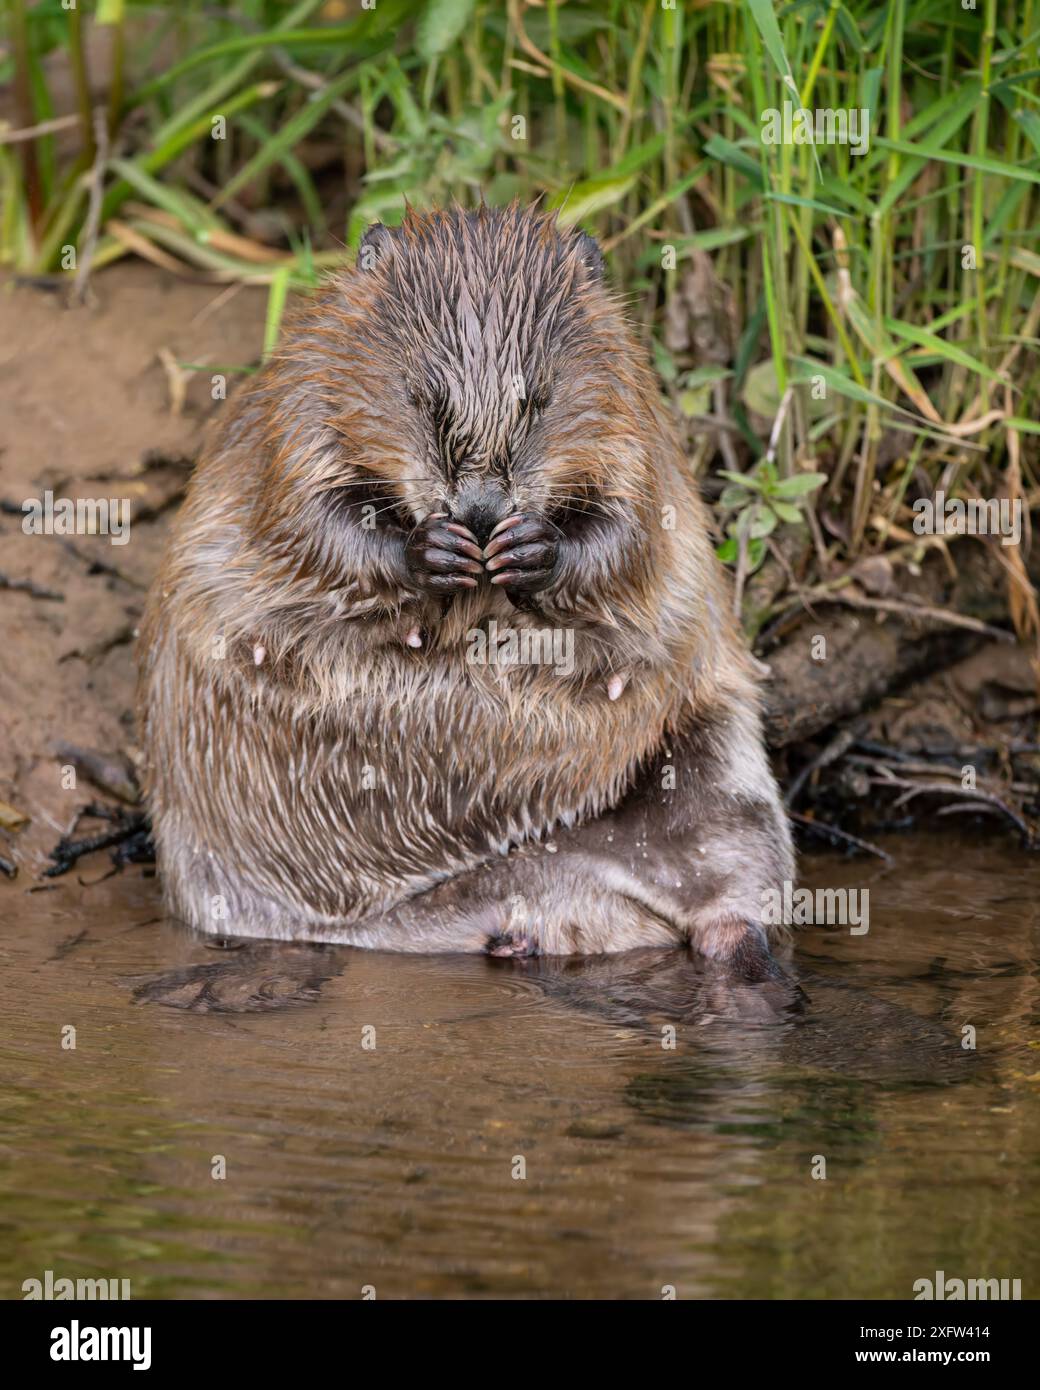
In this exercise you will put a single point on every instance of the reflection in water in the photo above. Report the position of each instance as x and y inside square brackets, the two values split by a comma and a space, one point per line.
[669, 1123]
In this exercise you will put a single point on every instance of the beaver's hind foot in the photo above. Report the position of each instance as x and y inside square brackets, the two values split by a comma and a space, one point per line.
[512, 944]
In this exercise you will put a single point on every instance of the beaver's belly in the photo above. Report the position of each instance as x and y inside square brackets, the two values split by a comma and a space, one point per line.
[347, 811]
[399, 802]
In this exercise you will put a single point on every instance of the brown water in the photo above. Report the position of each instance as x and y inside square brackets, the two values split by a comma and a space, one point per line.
[645, 1166]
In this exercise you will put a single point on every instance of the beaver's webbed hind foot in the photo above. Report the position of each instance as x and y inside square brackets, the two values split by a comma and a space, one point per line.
[751, 959]
[748, 981]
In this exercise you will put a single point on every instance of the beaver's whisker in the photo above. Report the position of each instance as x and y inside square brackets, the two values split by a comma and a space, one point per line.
[371, 482]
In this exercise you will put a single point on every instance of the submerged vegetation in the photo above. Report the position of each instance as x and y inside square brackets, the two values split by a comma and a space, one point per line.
[844, 327]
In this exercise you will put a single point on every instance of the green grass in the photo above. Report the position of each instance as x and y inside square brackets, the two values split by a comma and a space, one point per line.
[840, 296]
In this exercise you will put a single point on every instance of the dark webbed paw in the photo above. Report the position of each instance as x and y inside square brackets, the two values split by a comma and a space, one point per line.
[443, 556]
[521, 554]
[758, 979]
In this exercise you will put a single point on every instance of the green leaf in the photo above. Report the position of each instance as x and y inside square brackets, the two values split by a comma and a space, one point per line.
[838, 381]
[636, 158]
[195, 216]
[763, 523]
[1016, 80]
[664, 362]
[794, 201]
[275, 308]
[705, 376]
[584, 200]
[745, 480]
[761, 390]
[571, 24]
[950, 351]
[798, 486]
[850, 31]
[764, 15]
[441, 24]
[399, 90]
[159, 157]
[732, 496]
[1030, 123]
[832, 187]
[756, 553]
[955, 113]
[711, 239]
[695, 402]
[726, 152]
[677, 190]
[1025, 260]
[745, 520]
[962, 160]
[294, 168]
[786, 512]
[290, 135]
[218, 97]
[870, 87]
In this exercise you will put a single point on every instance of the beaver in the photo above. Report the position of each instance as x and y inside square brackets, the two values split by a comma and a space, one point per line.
[458, 438]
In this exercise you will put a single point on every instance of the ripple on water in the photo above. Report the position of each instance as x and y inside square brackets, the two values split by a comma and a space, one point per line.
[460, 1126]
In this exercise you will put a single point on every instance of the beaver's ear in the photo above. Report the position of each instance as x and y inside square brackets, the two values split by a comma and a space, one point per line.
[373, 244]
[591, 255]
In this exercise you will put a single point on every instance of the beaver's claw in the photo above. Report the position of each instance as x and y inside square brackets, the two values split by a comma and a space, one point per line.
[521, 554]
[442, 556]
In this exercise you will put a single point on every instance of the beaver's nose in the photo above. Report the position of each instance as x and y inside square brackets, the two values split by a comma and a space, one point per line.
[480, 506]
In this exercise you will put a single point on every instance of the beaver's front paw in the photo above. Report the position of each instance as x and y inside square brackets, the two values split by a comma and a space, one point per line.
[512, 944]
[442, 556]
[521, 554]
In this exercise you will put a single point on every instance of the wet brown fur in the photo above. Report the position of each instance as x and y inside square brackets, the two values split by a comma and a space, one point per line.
[351, 788]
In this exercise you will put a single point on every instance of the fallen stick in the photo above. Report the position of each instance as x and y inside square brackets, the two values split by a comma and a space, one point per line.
[834, 832]
[915, 789]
